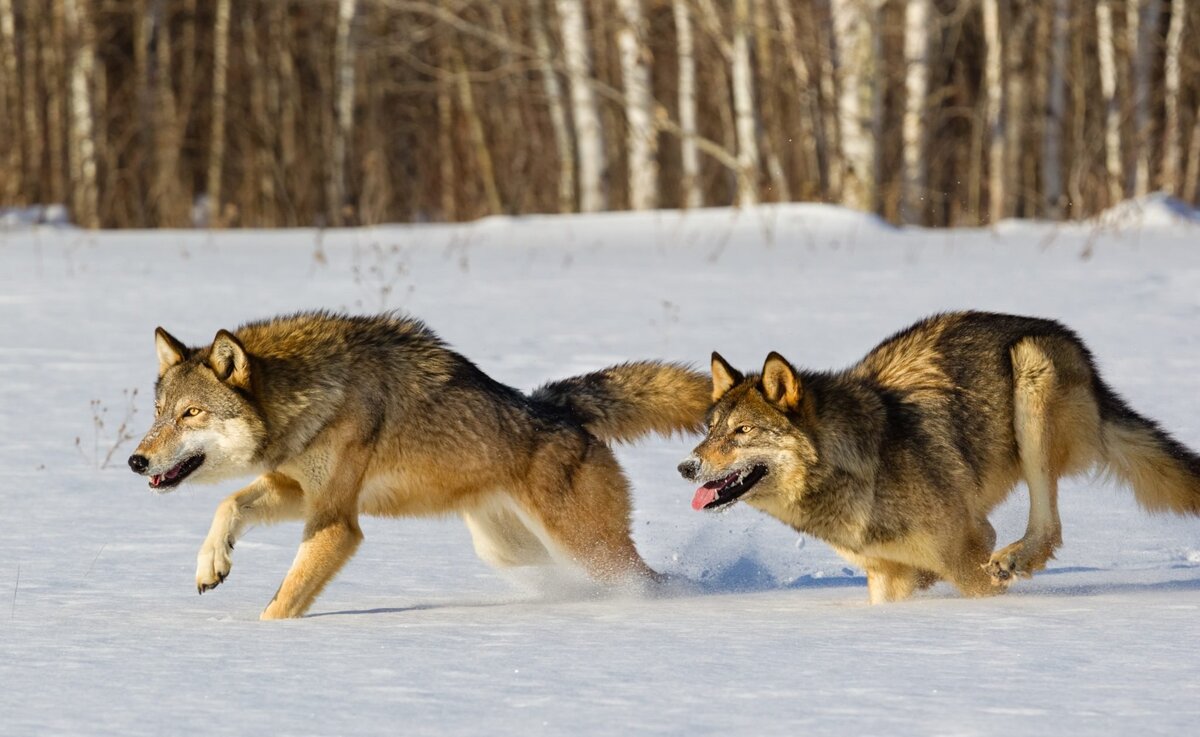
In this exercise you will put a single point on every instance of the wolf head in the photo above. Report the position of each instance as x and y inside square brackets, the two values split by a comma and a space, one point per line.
[760, 444]
[206, 424]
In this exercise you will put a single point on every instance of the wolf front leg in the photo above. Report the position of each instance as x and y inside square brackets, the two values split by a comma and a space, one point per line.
[270, 498]
[331, 532]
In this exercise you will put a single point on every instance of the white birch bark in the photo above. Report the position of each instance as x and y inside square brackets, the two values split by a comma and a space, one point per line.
[1141, 27]
[1052, 180]
[853, 31]
[1172, 145]
[588, 132]
[639, 107]
[1108, 87]
[994, 110]
[343, 63]
[743, 106]
[216, 150]
[558, 111]
[918, 15]
[689, 153]
[81, 151]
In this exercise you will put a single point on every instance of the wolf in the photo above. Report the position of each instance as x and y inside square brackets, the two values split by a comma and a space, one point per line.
[897, 461]
[341, 416]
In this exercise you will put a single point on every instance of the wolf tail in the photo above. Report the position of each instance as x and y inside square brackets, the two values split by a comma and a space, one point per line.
[1164, 473]
[626, 401]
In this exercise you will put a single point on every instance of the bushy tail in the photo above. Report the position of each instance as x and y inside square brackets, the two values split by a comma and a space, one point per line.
[1164, 474]
[627, 401]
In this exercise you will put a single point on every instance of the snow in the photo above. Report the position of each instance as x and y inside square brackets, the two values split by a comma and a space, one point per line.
[763, 631]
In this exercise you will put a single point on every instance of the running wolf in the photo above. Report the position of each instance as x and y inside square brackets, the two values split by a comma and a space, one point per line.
[897, 460]
[343, 416]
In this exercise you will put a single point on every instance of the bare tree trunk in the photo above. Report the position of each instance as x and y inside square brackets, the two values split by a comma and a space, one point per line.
[811, 128]
[1142, 27]
[589, 137]
[994, 110]
[82, 148]
[445, 131]
[639, 107]
[283, 94]
[343, 63]
[854, 27]
[483, 155]
[743, 105]
[764, 79]
[1172, 145]
[54, 62]
[11, 179]
[143, 31]
[1191, 179]
[558, 111]
[216, 151]
[917, 32]
[689, 153]
[34, 140]
[260, 187]
[1052, 179]
[1108, 87]
[188, 55]
[821, 23]
[1016, 112]
[166, 198]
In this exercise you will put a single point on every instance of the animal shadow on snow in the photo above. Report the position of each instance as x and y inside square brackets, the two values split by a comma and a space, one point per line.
[747, 576]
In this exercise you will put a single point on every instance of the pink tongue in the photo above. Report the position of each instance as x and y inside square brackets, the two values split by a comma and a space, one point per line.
[704, 497]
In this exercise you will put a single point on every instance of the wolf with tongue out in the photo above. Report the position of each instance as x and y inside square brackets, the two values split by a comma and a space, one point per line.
[897, 460]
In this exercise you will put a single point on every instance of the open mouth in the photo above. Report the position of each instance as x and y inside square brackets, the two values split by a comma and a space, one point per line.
[176, 474]
[727, 490]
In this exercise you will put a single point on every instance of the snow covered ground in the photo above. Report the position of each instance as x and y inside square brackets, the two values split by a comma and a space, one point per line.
[101, 631]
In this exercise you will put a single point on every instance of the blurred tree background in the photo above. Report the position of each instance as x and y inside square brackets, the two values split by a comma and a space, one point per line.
[173, 113]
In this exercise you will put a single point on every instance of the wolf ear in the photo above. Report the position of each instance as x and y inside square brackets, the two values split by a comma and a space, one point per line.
[170, 350]
[229, 361]
[780, 383]
[724, 376]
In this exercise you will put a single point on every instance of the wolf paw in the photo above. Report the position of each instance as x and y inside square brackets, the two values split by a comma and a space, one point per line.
[213, 563]
[1020, 559]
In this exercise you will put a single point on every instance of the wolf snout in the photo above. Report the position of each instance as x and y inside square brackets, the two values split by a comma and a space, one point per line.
[689, 469]
[139, 463]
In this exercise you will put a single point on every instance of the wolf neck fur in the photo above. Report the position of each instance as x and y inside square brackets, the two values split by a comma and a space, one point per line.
[838, 494]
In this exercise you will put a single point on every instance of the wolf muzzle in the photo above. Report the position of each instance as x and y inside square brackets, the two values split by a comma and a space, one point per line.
[139, 463]
[689, 469]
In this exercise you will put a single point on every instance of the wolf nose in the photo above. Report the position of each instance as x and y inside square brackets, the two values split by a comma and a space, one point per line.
[139, 463]
[689, 468]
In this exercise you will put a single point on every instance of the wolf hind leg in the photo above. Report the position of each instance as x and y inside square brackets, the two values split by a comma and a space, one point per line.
[578, 498]
[502, 539]
[1037, 392]
[270, 498]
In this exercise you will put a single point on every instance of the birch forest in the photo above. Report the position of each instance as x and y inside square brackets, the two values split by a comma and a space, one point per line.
[262, 113]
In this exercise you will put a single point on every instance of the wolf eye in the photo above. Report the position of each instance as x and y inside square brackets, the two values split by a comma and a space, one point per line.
[192, 411]
[744, 429]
